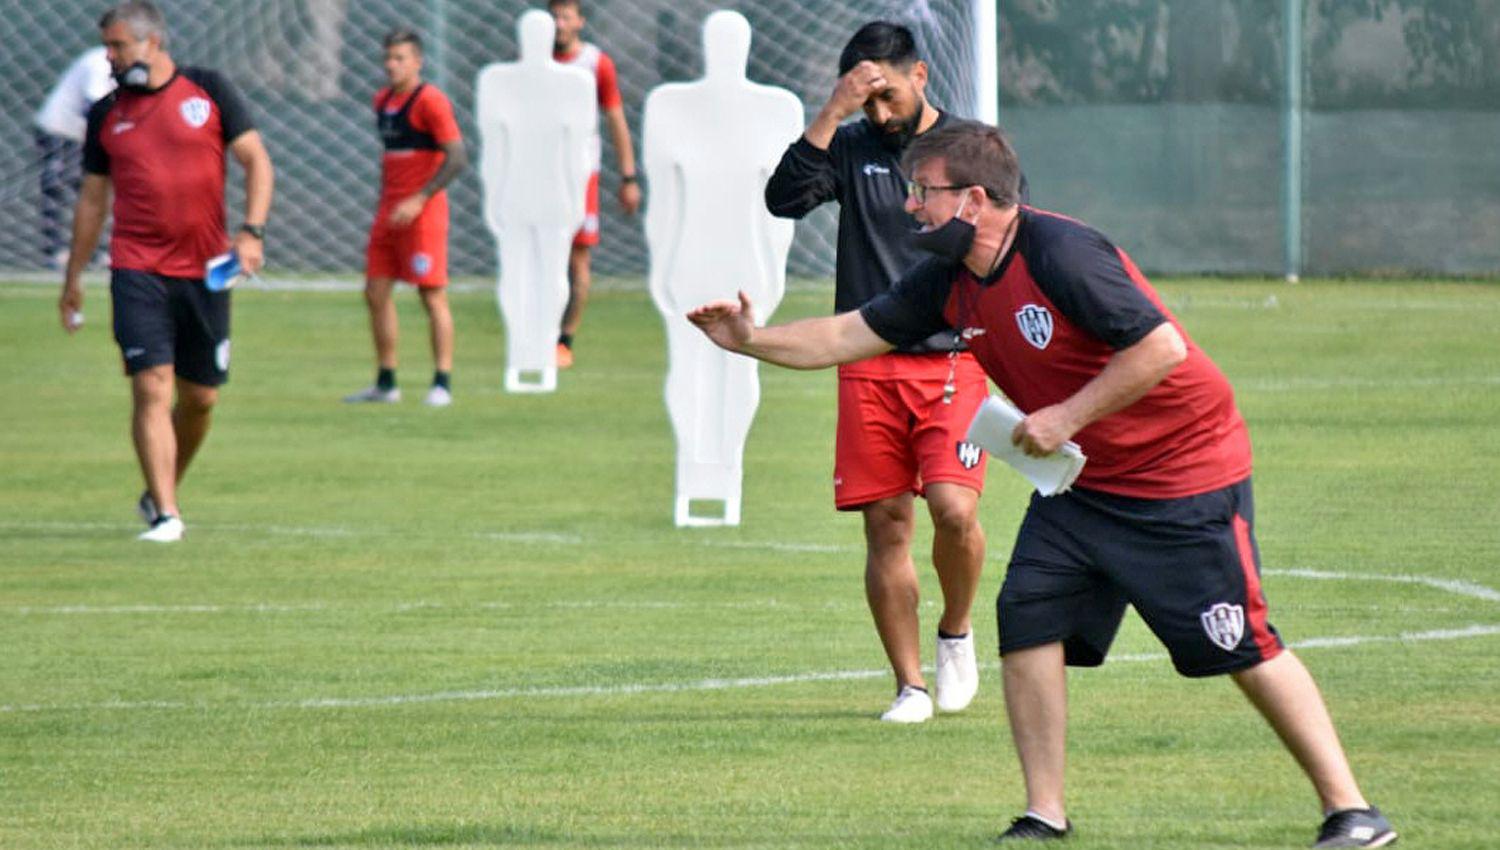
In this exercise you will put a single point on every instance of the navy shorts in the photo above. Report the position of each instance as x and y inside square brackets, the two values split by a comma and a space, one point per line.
[1190, 567]
[171, 320]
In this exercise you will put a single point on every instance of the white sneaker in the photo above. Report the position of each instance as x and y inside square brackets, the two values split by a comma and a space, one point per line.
[374, 394]
[166, 529]
[912, 705]
[438, 397]
[957, 673]
[145, 508]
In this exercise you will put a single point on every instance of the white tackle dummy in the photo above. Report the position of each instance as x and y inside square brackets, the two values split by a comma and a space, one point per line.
[536, 124]
[708, 148]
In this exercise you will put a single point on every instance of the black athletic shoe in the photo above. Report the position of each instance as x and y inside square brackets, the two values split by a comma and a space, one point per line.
[1028, 828]
[1356, 828]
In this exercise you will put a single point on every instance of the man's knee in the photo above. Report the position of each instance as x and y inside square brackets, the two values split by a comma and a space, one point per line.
[434, 298]
[196, 399]
[954, 509]
[378, 292]
[888, 524]
[152, 387]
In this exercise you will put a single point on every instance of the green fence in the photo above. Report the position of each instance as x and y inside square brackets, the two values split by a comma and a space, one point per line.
[1265, 136]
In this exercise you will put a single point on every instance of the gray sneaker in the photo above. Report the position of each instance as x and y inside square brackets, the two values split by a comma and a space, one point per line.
[374, 395]
[1356, 828]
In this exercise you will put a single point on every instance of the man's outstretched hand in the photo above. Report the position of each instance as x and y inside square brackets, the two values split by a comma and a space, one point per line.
[727, 323]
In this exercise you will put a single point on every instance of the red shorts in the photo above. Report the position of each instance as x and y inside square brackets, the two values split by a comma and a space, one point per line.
[588, 234]
[417, 253]
[895, 434]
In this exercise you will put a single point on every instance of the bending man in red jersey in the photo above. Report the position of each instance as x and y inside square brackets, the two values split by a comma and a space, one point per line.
[569, 48]
[1161, 518]
[409, 237]
[158, 142]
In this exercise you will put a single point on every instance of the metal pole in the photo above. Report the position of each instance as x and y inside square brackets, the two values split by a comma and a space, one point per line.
[1291, 129]
[437, 42]
[986, 61]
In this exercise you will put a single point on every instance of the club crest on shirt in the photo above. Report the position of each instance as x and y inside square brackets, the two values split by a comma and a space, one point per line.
[195, 111]
[969, 454]
[1224, 624]
[1035, 323]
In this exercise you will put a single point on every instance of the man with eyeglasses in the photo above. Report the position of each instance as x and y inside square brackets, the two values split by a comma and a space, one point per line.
[902, 415]
[1161, 517]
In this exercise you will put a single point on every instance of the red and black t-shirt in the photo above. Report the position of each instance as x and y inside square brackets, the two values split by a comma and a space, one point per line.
[163, 150]
[1045, 324]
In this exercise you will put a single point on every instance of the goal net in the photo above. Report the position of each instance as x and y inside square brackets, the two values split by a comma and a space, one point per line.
[309, 67]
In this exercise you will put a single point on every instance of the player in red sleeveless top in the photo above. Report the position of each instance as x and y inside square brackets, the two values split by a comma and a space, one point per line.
[1162, 516]
[409, 237]
[570, 49]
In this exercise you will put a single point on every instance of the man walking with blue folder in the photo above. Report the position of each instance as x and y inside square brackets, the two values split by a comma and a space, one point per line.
[158, 143]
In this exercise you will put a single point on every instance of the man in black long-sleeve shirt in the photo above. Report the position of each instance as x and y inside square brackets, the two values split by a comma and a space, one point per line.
[903, 415]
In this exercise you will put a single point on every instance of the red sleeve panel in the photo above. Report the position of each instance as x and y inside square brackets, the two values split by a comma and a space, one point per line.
[609, 84]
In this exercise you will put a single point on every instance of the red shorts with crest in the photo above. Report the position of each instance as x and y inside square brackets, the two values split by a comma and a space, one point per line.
[417, 253]
[895, 433]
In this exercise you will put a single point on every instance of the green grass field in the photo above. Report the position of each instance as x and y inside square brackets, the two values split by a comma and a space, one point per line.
[477, 627]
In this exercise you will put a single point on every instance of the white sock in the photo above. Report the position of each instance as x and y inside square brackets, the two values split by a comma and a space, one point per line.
[1060, 827]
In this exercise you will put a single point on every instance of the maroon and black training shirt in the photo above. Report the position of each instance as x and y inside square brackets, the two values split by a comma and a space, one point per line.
[163, 150]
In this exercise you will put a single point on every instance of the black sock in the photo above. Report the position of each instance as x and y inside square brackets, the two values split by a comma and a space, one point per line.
[565, 340]
[385, 379]
[440, 379]
[945, 636]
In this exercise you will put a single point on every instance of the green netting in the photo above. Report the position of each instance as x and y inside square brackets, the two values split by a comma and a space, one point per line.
[1162, 122]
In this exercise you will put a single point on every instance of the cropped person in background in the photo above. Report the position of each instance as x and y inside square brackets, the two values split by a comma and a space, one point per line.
[570, 49]
[58, 129]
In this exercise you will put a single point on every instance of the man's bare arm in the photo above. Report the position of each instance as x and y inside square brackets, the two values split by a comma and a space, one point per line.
[88, 223]
[260, 179]
[806, 344]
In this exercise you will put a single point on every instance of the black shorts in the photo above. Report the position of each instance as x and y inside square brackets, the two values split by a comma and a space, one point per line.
[171, 320]
[1190, 567]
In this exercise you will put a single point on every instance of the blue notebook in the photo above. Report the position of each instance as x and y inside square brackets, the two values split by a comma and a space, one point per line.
[222, 272]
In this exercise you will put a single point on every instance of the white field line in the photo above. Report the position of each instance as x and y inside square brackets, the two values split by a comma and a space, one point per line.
[557, 538]
[700, 685]
[1458, 587]
[1462, 588]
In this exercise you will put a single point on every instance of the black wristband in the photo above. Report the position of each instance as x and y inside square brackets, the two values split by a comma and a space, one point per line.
[256, 230]
[628, 178]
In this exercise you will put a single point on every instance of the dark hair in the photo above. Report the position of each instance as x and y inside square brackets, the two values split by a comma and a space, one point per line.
[973, 154]
[402, 35]
[879, 41]
[556, 4]
[144, 19]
